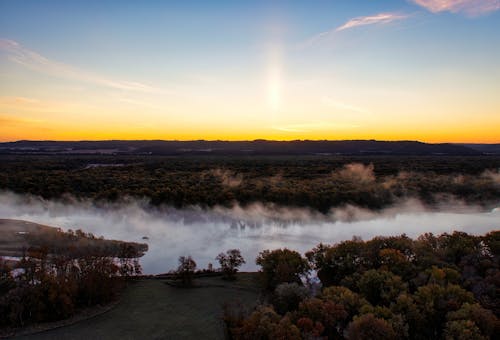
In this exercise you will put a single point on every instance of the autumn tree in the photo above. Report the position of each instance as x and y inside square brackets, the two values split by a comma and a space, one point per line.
[334, 263]
[327, 314]
[435, 301]
[281, 265]
[343, 296]
[470, 316]
[230, 262]
[368, 326]
[380, 286]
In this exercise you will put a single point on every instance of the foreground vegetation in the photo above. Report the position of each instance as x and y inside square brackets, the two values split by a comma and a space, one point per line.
[151, 309]
[434, 287]
[318, 182]
[51, 274]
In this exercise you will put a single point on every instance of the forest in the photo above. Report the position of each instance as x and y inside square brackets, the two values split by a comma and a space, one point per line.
[435, 287]
[316, 182]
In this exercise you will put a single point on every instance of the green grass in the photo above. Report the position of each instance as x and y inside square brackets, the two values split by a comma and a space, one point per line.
[151, 309]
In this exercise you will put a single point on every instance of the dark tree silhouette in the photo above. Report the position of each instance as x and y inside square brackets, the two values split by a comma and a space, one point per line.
[185, 270]
[230, 262]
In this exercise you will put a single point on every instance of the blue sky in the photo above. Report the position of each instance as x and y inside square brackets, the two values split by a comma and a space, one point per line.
[279, 69]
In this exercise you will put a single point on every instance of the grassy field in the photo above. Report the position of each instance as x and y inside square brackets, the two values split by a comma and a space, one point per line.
[151, 309]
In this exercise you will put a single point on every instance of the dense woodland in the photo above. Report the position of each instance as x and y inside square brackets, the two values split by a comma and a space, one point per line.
[62, 272]
[318, 182]
[435, 287]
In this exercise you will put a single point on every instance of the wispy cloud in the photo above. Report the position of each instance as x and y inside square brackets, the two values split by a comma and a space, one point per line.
[377, 19]
[34, 61]
[468, 7]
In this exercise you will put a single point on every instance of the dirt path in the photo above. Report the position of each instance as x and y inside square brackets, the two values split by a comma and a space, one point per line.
[150, 309]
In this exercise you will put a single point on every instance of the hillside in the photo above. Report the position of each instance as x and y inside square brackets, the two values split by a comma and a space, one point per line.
[17, 237]
[488, 149]
[256, 147]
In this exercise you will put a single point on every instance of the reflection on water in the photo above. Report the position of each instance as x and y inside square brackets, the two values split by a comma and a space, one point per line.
[203, 234]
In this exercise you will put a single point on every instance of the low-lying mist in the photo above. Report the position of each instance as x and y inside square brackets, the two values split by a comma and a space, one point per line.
[204, 233]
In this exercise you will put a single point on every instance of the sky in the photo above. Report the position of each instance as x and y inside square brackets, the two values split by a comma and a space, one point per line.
[425, 70]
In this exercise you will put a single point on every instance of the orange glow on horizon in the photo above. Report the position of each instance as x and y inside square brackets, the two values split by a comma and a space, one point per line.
[465, 135]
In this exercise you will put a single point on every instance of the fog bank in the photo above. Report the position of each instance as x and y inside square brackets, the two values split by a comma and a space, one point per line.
[204, 233]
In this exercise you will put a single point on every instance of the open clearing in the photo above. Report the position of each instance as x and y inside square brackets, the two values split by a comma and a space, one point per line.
[151, 309]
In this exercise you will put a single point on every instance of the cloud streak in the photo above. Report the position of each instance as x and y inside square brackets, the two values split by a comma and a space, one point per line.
[34, 61]
[377, 19]
[468, 7]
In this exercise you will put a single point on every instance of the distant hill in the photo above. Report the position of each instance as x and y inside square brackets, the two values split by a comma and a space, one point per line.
[256, 147]
[489, 149]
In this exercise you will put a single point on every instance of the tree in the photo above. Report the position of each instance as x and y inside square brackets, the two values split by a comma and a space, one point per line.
[329, 315]
[281, 265]
[380, 286]
[462, 330]
[343, 296]
[395, 261]
[434, 302]
[334, 263]
[310, 329]
[259, 325]
[367, 326]
[185, 270]
[483, 319]
[229, 262]
[288, 296]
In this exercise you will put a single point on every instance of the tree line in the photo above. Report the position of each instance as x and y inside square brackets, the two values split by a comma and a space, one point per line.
[62, 272]
[434, 287]
[320, 183]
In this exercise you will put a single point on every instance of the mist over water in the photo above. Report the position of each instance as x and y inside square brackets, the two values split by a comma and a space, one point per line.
[205, 233]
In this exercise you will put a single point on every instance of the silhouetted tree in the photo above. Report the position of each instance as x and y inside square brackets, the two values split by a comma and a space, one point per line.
[185, 270]
[230, 262]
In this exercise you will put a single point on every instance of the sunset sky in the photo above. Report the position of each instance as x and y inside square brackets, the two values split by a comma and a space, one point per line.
[424, 70]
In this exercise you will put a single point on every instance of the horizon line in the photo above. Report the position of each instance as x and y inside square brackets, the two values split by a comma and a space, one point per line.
[237, 141]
